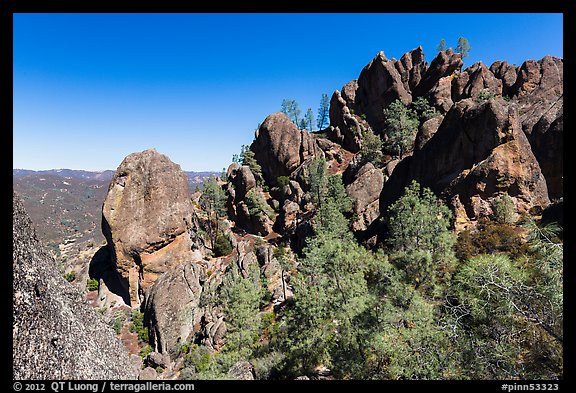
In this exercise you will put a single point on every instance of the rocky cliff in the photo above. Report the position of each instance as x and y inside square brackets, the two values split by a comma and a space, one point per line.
[145, 219]
[55, 334]
[497, 129]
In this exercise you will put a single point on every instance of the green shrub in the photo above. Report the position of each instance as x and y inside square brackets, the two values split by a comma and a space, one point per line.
[185, 348]
[490, 238]
[145, 351]
[222, 246]
[267, 323]
[199, 357]
[280, 251]
[70, 276]
[283, 181]
[257, 205]
[484, 95]
[504, 209]
[423, 109]
[137, 325]
[119, 318]
[92, 284]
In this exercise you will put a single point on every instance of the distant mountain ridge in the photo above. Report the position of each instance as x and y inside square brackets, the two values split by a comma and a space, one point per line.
[194, 178]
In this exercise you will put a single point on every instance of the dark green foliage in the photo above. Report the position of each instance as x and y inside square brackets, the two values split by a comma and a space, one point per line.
[70, 276]
[420, 236]
[92, 284]
[317, 179]
[309, 119]
[504, 209]
[198, 357]
[222, 246]
[118, 321]
[257, 204]
[442, 45]
[282, 181]
[463, 47]
[371, 150]
[489, 238]
[213, 203]
[400, 129]
[248, 158]
[323, 119]
[484, 95]
[423, 109]
[290, 108]
[507, 322]
[137, 326]
[145, 351]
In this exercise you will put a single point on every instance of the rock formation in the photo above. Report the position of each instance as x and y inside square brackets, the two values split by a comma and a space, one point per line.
[280, 147]
[171, 322]
[364, 189]
[478, 152]
[539, 90]
[145, 219]
[55, 335]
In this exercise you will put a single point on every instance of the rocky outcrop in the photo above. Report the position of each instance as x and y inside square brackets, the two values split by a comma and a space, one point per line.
[276, 276]
[539, 92]
[478, 152]
[443, 65]
[506, 73]
[171, 322]
[379, 84]
[364, 191]
[412, 68]
[55, 335]
[145, 219]
[280, 147]
[475, 79]
[427, 131]
[345, 128]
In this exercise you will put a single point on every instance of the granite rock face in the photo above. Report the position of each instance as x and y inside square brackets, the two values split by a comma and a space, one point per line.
[172, 321]
[280, 147]
[145, 219]
[364, 191]
[55, 334]
[478, 153]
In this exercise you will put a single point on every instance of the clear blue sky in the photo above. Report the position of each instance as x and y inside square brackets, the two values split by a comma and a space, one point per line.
[90, 89]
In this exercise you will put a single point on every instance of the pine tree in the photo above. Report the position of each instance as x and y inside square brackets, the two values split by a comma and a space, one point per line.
[400, 129]
[323, 118]
[463, 47]
[442, 45]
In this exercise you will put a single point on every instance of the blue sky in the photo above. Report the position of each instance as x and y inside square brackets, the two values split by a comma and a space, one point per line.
[90, 89]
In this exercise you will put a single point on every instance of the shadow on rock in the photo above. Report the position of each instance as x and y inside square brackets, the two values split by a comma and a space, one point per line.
[102, 268]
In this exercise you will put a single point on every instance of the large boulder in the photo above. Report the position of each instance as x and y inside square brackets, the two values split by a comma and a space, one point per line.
[145, 219]
[55, 334]
[478, 153]
[171, 323]
[506, 73]
[379, 84]
[364, 191]
[280, 147]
